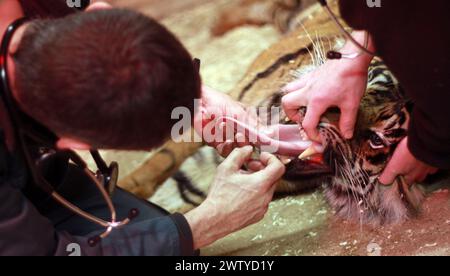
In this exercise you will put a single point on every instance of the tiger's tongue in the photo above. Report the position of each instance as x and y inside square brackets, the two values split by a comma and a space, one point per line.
[310, 162]
[278, 139]
[293, 142]
[307, 162]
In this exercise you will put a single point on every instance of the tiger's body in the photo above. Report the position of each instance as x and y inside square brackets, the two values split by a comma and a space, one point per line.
[353, 191]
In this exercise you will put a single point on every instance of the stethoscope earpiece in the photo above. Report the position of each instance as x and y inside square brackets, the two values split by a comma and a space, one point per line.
[334, 55]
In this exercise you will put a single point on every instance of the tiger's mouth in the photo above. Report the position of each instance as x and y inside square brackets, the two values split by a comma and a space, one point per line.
[301, 169]
[320, 164]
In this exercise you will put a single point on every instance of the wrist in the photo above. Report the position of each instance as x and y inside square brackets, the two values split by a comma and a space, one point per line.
[364, 59]
[345, 68]
[203, 221]
[354, 67]
[199, 119]
[202, 118]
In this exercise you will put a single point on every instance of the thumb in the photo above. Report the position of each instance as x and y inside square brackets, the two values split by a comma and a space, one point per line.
[273, 171]
[389, 175]
[237, 158]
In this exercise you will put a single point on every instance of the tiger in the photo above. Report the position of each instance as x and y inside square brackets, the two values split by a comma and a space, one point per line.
[353, 190]
[351, 186]
[280, 13]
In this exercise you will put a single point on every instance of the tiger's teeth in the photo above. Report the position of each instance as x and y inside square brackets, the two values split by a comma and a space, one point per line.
[308, 152]
[286, 161]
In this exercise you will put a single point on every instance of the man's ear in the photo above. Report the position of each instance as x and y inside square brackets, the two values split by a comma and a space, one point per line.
[69, 143]
[98, 5]
[16, 39]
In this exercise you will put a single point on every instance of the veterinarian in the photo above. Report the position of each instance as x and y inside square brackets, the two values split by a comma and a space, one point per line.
[102, 78]
[413, 38]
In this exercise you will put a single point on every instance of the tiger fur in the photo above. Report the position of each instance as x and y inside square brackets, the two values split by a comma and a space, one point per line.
[280, 13]
[353, 191]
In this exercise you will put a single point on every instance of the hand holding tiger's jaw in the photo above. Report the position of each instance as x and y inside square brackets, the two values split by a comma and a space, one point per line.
[334, 84]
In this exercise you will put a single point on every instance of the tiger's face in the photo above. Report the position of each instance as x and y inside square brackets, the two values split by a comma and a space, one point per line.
[355, 165]
[381, 124]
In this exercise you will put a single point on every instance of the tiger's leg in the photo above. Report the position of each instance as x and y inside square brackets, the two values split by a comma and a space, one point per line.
[144, 181]
[258, 13]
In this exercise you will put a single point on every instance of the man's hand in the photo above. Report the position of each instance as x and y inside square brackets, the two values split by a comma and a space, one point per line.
[405, 164]
[237, 198]
[216, 104]
[337, 83]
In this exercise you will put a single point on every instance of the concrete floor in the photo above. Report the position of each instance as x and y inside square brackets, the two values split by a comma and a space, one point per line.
[304, 225]
[297, 225]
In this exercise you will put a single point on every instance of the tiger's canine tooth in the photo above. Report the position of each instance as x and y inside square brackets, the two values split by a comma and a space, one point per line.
[308, 152]
[285, 160]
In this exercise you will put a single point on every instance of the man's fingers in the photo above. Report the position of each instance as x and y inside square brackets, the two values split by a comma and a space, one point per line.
[295, 85]
[388, 177]
[273, 171]
[347, 121]
[312, 119]
[237, 158]
[292, 103]
[225, 148]
[255, 166]
[389, 174]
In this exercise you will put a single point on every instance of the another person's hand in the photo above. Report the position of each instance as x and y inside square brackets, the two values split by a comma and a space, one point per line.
[403, 163]
[237, 198]
[337, 83]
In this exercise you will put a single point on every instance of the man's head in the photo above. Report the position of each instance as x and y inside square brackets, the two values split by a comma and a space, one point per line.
[107, 78]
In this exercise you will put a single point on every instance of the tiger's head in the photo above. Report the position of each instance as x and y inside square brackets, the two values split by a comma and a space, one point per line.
[352, 188]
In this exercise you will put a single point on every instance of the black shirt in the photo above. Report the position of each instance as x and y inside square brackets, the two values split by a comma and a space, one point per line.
[413, 38]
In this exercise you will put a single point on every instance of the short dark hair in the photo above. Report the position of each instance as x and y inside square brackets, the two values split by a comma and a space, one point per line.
[109, 78]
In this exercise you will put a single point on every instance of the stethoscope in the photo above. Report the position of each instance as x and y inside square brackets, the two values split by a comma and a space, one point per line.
[26, 131]
[362, 48]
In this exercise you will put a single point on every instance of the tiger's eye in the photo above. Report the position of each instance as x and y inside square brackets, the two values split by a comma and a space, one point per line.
[376, 142]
